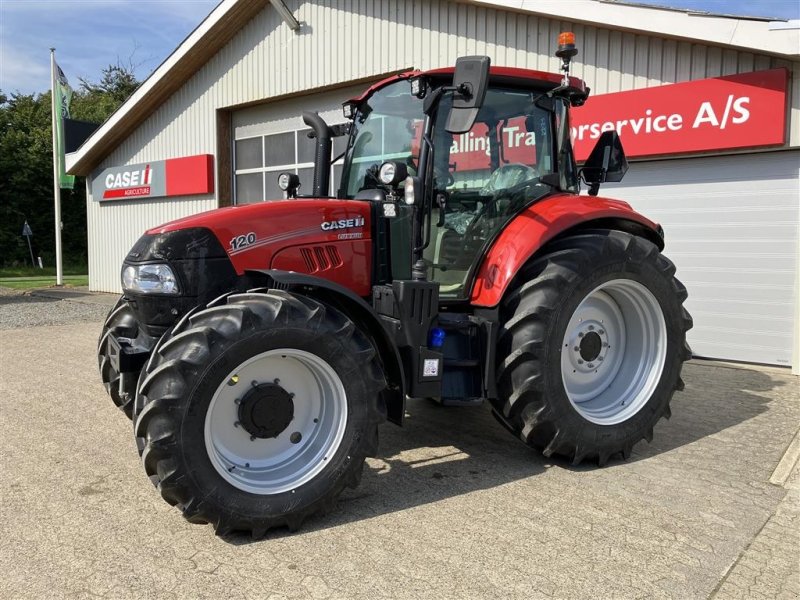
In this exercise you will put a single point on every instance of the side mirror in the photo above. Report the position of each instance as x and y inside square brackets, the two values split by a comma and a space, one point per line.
[607, 162]
[470, 79]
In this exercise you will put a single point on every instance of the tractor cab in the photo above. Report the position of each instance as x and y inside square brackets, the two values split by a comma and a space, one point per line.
[464, 185]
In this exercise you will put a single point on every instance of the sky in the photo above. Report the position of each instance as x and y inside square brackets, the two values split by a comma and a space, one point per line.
[91, 34]
[88, 35]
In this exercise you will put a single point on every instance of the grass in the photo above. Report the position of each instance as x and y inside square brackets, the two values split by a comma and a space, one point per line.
[40, 273]
[40, 280]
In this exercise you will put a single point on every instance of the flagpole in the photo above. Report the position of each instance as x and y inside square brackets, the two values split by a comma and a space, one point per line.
[56, 110]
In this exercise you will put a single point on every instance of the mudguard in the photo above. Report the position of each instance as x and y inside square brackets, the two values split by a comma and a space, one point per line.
[555, 216]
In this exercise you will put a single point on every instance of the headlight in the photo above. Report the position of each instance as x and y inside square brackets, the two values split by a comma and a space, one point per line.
[387, 173]
[392, 172]
[149, 279]
[288, 181]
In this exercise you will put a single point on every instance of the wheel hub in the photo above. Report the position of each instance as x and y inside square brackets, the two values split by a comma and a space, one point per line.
[275, 421]
[588, 345]
[266, 410]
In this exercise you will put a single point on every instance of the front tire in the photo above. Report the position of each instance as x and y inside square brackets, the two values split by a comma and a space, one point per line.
[257, 411]
[592, 346]
[122, 323]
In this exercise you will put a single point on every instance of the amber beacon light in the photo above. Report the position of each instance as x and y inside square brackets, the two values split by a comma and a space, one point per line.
[566, 45]
[566, 50]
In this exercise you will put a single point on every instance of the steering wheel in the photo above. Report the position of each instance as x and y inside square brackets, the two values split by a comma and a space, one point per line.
[508, 177]
[505, 182]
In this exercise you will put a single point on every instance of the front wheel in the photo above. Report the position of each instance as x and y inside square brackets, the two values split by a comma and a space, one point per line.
[592, 346]
[256, 412]
[122, 323]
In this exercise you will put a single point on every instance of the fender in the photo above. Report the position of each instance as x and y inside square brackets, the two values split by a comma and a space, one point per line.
[363, 314]
[543, 221]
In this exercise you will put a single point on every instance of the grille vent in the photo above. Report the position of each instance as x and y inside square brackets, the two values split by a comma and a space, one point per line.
[321, 258]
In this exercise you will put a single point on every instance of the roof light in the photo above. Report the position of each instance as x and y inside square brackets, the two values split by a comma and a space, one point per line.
[566, 50]
[566, 38]
[566, 45]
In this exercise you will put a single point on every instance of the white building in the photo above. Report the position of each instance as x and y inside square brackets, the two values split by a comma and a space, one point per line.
[722, 177]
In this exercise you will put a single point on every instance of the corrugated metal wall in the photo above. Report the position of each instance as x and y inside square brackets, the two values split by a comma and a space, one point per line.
[731, 225]
[342, 40]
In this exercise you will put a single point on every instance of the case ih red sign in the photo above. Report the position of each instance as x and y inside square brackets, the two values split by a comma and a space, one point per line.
[184, 176]
[738, 111]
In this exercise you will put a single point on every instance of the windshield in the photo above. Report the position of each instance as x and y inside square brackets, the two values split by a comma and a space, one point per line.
[388, 126]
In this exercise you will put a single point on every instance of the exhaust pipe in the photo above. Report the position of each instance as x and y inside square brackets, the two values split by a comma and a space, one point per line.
[322, 154]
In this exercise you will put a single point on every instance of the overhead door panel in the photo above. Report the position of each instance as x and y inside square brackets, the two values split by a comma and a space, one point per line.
[732, 229]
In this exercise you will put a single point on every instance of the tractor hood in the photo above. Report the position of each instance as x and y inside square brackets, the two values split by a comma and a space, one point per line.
[328, 238]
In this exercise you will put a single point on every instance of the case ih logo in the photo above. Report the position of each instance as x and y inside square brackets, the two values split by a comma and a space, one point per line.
[128, 183]
[342, 224]
[184, 176]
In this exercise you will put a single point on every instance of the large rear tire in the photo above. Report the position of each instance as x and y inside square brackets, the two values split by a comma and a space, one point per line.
[257, 411]
[592, 346]
[122, 323]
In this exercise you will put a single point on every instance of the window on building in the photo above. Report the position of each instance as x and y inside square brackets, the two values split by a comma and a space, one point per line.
[259, 160]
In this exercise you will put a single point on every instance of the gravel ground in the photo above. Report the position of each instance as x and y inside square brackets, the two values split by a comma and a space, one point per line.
[22, 309]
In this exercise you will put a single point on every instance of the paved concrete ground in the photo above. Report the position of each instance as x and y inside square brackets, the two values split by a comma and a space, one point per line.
[453, 508]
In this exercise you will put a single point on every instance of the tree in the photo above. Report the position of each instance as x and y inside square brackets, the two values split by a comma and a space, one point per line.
[26, 168]
[96, 101]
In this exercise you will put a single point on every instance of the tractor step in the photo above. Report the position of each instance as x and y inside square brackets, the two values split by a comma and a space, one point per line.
[461, 401]
[461, 363]
[462, 383]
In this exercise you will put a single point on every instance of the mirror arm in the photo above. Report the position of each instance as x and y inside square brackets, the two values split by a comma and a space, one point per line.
[594, 186]
[431, 101]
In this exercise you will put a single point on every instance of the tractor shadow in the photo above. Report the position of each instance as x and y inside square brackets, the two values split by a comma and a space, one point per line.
[441, 452]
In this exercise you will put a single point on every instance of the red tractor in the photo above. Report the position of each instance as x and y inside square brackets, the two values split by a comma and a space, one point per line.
[258, 348]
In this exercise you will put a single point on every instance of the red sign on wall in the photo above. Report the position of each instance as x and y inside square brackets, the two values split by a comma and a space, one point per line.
[737, 111]
[185, 176]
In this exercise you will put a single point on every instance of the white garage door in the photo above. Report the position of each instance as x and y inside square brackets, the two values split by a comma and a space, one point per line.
[732, 229]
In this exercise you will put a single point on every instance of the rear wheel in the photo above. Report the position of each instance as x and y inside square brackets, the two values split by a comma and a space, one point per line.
[256, 412]
[592, 346]
[121, 323]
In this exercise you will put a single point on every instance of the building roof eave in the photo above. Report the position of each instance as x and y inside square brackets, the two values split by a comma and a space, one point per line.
[746, 33]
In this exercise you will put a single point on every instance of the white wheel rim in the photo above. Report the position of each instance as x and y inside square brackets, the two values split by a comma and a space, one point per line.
[279, 464]
[614, 351]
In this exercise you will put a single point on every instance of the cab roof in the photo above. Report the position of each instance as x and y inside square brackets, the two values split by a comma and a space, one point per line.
[497, 75]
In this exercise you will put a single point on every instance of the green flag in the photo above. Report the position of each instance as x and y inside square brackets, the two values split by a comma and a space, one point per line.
[63, 96]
